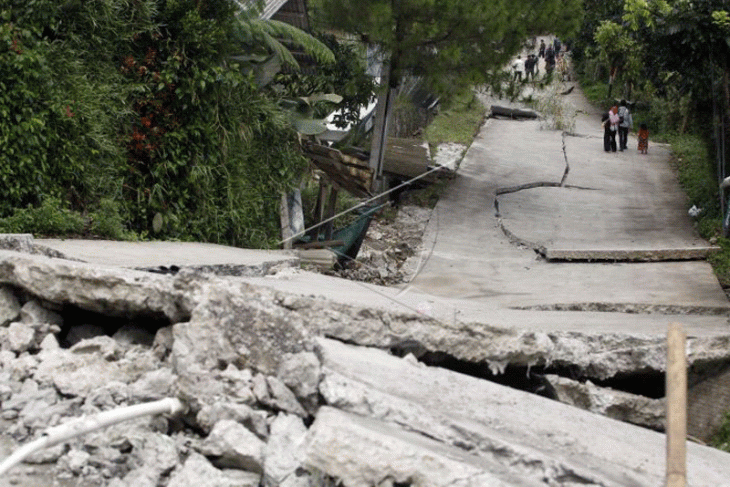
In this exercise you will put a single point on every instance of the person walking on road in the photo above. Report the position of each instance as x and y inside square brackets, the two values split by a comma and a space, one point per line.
[519, 67]
[626, 123]
[541, 52]
[610, 126]
[530, 63]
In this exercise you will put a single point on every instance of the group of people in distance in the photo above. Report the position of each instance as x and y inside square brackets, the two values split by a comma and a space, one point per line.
[618, 120]
[529, 67]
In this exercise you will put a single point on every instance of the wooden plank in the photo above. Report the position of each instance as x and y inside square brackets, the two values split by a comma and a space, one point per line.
[320, 244]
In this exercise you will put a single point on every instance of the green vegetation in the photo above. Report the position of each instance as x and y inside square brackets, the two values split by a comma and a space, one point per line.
[452, 45]
[721, 440]
[458, 121]
[127, 112]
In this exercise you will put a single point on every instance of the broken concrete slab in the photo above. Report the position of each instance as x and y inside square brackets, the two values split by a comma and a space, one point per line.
[630, 255]
[362, 452]
[619, 405]
[196, 256]
[493, 421]
[107, 290]
[232, 322]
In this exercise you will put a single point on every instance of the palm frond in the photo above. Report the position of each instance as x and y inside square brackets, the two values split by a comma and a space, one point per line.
[272, 34]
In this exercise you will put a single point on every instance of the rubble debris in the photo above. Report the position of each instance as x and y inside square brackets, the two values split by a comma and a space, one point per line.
[263, 389]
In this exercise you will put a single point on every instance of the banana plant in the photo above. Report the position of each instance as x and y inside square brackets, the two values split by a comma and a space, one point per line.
[303, 110]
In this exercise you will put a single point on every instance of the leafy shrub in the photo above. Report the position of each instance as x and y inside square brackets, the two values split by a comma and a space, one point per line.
[696, 172]
[50, 218]
[721, 439]
[108, 222]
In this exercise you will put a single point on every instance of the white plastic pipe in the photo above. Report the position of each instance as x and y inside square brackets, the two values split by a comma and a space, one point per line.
[86, 424]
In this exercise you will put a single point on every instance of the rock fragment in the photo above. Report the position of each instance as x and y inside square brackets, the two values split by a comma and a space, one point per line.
[301, 373]
[197, 471]
[9, 306]
[20, 337]
[252, 419]
[284, 453]
[231, 445]
[35, 312]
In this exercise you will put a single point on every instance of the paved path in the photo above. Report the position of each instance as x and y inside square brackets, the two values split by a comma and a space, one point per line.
[623, 202]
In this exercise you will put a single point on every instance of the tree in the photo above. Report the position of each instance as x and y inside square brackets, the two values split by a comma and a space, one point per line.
[619, 51]
[450, 43]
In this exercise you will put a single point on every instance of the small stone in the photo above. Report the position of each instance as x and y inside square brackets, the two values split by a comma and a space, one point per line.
[47, 455]
[74, 461]
[20, 337]
[162, 344]
[132, 334]
[106, 346]
[49, 342]
[301, 373]
[282, 398]
[33, 312]
[252, 419]
[153, 385]
[261, 389]
[284, 451]
[198, 471]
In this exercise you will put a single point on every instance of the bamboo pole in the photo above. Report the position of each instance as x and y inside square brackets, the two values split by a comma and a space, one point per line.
[676, 393]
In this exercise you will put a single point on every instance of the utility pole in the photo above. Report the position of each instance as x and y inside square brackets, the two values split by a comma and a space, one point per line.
[380, 130]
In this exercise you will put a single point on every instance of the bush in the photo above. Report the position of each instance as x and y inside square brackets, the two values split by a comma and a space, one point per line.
[696, 172]
[133, 110]
[721, 439]
[50, 218]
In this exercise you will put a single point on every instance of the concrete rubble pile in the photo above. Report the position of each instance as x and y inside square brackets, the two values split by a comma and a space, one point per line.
[270, 401]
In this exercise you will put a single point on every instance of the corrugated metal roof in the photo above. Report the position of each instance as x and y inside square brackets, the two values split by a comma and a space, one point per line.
[270, 6]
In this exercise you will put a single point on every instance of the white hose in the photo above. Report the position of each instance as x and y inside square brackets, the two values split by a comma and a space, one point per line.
[86, 424]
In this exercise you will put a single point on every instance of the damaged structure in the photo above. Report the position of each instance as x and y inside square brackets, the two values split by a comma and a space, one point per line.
[526, 347]
[293, 390]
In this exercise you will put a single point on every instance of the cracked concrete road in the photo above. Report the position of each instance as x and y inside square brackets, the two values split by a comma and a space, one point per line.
[613, 206]
[473, 267]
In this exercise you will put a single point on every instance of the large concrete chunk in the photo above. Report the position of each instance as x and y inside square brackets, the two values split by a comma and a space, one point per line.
[362, 452]
[116, 292]
[237, 323]
[542, 438]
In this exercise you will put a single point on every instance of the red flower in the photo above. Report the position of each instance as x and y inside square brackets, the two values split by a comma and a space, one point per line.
[68, 111]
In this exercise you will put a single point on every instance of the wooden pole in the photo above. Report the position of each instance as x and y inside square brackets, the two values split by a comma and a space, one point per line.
[676, 426]
[380, 130]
